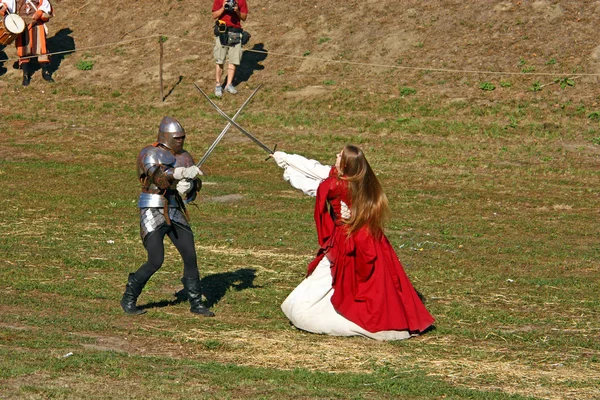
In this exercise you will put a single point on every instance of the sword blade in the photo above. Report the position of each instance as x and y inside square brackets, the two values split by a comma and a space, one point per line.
[224, 131]
[245, 132]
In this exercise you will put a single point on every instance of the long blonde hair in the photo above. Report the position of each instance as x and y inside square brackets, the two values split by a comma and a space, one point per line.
[369, 203]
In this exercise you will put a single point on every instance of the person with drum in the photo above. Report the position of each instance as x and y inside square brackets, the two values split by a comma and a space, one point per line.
[228, 15]
[31, 42]
[11, 25]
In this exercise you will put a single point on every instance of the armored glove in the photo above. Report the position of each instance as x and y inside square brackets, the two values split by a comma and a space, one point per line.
[186, 172]
[279, 157]
[184, 186]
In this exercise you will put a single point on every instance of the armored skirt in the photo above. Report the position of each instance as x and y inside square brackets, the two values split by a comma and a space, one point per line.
[356, 286]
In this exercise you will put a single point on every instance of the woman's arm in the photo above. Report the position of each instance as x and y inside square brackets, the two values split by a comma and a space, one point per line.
[302, 173]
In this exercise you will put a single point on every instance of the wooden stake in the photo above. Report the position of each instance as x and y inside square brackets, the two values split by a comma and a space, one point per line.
[160, 72]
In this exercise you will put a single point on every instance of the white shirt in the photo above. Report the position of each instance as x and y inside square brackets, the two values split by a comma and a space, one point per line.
[302, 173]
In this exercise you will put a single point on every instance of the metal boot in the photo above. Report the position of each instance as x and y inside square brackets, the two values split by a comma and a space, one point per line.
[46, 72]
[26, 74]
[194, 294]
[132, 291]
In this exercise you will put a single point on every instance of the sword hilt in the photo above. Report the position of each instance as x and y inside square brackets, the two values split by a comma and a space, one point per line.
[274, 150]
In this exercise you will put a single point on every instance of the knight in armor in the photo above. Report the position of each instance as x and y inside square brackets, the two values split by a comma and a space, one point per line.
[32, 42]
[169, 179]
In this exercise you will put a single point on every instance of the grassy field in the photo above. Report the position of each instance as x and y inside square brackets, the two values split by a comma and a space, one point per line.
[495, 209]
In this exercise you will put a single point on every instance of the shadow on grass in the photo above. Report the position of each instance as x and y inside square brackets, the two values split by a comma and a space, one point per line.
[214, 288]
[173, 87]
[250, 62]
[63, 44]
[3, 59]
[59, 45]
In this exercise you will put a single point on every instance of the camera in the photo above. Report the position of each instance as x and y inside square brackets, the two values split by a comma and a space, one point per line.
[229, 5]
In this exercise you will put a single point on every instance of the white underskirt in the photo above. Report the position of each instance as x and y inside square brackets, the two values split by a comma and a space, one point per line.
[309, 308]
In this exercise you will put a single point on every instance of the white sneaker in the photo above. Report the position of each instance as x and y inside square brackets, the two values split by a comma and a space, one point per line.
[230, 89]
[219, 91]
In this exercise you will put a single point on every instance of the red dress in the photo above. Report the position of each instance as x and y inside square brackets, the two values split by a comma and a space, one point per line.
[370, 287]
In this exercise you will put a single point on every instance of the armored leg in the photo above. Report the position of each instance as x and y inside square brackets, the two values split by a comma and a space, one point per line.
[194, 294]
[132, 291]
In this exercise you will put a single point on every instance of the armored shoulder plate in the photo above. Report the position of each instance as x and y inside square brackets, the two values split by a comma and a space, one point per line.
[151, 165]
[151, 156]
[184, 159]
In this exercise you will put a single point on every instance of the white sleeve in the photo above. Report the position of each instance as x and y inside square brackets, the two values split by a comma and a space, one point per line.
[46, 7]
[11, 5]
[304, 174]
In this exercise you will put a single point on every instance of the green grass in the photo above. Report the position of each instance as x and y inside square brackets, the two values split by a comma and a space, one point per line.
[494, 218]
[171, 378]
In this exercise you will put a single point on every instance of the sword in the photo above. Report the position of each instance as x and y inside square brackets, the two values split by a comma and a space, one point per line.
[224, 131]
[231, 121]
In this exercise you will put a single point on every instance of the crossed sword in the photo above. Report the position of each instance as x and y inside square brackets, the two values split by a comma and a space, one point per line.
[230, 124]
[245, 132]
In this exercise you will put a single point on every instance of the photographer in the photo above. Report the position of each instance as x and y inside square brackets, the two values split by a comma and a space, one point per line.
[228, 15]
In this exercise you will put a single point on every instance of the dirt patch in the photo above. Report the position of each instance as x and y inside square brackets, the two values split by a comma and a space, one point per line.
[299, 40]
[309, 91]
[106, 343]
[15, 327]
[228, 198]
[296, 349]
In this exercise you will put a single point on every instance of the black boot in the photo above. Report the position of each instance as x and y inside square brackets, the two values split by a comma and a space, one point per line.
[46, 72]
[194, 294]
[26, 74]
[132, 291]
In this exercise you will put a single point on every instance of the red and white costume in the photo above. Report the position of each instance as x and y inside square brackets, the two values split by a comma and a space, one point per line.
[32, 42]
[356, 285]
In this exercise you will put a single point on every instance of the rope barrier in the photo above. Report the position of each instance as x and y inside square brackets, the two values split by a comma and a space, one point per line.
[83, 49]
[459, 71]
[324, 60]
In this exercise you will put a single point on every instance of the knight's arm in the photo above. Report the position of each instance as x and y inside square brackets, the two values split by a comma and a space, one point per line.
[160, 175]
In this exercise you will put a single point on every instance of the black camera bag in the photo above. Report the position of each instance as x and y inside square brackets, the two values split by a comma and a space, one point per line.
[245, 37]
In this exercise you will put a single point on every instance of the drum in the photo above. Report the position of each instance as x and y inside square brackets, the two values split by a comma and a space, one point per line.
[10, 27]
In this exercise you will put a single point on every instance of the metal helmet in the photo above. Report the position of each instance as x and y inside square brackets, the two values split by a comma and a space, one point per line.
[169, 130]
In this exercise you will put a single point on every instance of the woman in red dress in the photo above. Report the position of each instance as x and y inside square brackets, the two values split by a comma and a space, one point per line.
[356, 284]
